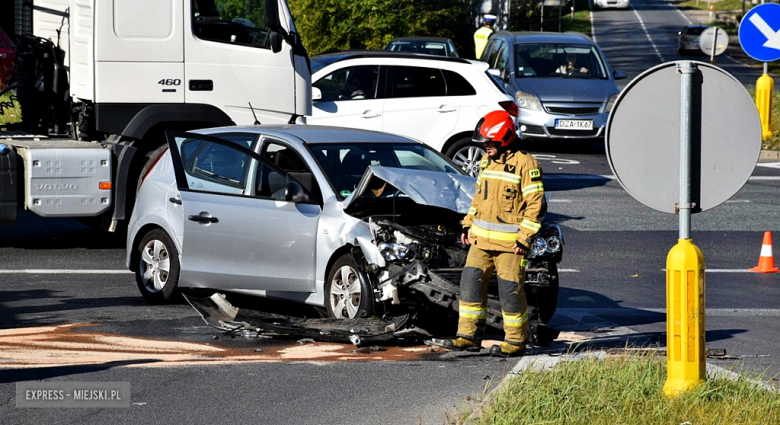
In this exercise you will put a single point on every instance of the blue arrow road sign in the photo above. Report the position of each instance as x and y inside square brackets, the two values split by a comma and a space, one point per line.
[759, 32]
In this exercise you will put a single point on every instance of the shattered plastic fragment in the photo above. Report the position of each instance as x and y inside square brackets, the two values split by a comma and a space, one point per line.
[305, 340]
[356, 340]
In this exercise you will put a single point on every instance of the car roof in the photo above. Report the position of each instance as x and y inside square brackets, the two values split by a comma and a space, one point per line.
[546, 37]
[421, 38]
[355, 54]
[314, 134]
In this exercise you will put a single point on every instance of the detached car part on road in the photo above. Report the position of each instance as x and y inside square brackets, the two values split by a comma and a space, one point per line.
[362, 223]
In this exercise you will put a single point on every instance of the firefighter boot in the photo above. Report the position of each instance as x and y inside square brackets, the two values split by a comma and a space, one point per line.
[508, 350]
[459, 344]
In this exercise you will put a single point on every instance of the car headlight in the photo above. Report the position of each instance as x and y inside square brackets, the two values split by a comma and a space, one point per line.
[527, 101]
[538, 246]
[393, 251]
[553, 244]
[611, 102]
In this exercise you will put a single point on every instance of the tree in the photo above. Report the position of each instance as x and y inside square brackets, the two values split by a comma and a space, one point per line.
[371, 24]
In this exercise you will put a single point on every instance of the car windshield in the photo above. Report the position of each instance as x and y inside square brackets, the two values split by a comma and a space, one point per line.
[558, 60]
[345, 163]
[319, 62]
[695, 30]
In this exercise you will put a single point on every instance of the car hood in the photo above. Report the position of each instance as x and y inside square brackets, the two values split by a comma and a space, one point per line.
[568, 89]
[432, 188]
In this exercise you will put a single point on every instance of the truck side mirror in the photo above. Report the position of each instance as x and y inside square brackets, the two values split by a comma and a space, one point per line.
[272, 15]
[316, 94]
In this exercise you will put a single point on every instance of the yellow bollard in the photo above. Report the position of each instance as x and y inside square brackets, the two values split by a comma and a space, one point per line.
[765, 87]
[685, 349]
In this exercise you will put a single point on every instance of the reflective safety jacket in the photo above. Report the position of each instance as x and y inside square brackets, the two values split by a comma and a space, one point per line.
[480, 40]
[508, 205]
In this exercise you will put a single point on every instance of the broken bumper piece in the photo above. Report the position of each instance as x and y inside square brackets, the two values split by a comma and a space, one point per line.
[219, 313]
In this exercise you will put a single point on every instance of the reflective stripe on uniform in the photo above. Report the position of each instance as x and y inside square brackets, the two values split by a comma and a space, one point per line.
[500, 175]
[533, 188]
[477, 313]
[515, 319]
[472, 211]
[498, 227]
[524, 263]
[530, 225]
[493, 234]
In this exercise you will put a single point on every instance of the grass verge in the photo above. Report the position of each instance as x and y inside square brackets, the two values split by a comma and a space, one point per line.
[623, 390]
[10, 110]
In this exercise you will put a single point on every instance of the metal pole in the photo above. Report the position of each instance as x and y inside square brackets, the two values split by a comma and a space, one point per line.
[714, 43]
[686, 70]
[542, 25]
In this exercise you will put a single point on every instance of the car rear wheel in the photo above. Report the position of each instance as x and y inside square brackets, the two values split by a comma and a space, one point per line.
[348, 294]
[157, 270]
[466, 154]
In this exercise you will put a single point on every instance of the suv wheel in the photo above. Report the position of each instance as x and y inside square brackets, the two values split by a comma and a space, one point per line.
[466, 154]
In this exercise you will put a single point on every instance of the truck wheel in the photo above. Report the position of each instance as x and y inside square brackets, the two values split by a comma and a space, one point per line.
[348, 294]
[157, 267]
[466, 154]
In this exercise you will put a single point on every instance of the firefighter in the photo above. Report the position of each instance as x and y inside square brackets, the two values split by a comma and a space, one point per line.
[506, 212]
[481, 35]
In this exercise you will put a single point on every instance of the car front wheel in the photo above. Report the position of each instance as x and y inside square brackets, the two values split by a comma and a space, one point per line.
[466, 155]
[157, 267]
[348, 294]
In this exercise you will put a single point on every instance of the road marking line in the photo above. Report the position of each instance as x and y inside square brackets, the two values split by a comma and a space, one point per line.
[592, 26]
[650, 39]
[63, 271]
[559, 200]
[739, 201]
[683, 15]
[632, 311]
[568, 271]
[722, 271]
[612, 177]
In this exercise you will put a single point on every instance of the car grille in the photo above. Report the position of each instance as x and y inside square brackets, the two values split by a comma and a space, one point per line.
[590, 110]
[574, 133]
[534, 129]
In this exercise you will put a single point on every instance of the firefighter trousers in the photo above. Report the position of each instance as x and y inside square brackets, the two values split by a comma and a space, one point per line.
[474, 281]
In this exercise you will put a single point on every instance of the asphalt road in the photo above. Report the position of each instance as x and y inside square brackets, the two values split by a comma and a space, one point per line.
[55, 274]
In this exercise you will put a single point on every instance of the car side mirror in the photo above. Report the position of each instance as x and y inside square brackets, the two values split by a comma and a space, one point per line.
[495, 72]
[619, 75]
[316, 94]
[295, 193]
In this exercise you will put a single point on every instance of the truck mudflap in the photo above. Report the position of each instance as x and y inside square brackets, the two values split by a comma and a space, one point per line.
[217, 312]
[9, 184]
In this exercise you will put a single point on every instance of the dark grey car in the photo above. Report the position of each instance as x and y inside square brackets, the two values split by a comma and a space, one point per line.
[562, 84]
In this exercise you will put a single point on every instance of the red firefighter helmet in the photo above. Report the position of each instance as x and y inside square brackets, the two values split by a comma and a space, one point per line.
[496, 126]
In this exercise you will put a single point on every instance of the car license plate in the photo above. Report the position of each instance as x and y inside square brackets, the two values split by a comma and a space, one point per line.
[574, 124]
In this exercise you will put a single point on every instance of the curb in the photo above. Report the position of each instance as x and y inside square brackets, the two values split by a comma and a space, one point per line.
[769, 156]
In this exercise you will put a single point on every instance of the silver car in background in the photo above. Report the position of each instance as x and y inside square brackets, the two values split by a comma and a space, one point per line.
[555, 101]
[611, 4]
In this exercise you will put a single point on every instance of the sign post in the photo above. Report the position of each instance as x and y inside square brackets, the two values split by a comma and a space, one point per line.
[672, 145]
[759, 36]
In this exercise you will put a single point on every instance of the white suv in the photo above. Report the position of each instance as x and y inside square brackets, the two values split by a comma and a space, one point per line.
[434, 99]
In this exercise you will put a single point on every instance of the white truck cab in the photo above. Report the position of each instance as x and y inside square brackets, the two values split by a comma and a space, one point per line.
[120, 72]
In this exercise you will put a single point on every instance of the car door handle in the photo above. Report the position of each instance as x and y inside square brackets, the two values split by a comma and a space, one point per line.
[447, 108]
[203, 218]
[176, 201]
[370, 114]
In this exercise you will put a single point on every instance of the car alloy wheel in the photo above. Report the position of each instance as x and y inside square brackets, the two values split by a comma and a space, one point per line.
[157, 274]
[467, 155]
[347, 294]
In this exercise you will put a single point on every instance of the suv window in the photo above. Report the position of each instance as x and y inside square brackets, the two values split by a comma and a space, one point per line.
[411, 81]
[231, 22]
[355, 82]
[457, 85]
